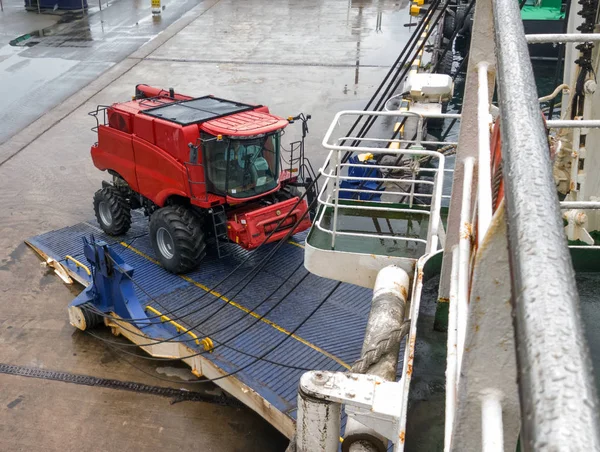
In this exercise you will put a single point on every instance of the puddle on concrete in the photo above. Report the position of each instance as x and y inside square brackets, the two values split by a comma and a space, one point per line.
[183, 374]
[79, 33]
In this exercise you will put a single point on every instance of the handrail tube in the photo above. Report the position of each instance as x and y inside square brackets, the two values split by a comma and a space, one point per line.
[339, 114]
[377, 192]
[594, 205]
[387, 179]
[556, 388]
[376, 179]
[484, 185]
[337, 199]
[379, 209]
[395, 140]
[375, 236]
[562, 37]
[573, 123]
[372, 166]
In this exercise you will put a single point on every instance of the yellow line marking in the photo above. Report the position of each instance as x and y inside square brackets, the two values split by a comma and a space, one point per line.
[299, 245]
[177, 326]
[242, 308]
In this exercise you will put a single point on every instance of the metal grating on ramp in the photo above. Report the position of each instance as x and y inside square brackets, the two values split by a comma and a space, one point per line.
[330, 340]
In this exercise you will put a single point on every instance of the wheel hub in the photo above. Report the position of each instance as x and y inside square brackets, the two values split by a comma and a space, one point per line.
[105, 213]
[165, 243]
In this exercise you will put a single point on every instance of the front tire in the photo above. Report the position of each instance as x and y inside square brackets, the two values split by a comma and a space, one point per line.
[112, 211]
[177, 238]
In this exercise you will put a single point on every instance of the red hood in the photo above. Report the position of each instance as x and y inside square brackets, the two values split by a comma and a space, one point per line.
[244, 124]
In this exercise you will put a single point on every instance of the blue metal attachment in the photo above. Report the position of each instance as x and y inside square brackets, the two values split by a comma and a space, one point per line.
[112, 289]
[359, 183]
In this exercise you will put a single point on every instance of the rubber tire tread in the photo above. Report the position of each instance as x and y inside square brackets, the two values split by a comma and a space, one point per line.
[186, 230]
[119, 207]
[449, 25]
[445, 66]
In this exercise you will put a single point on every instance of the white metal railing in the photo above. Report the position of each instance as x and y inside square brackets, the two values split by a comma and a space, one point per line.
[482, 412]
[581, 205]
[484, 185]
[555, 38]
[334, 168]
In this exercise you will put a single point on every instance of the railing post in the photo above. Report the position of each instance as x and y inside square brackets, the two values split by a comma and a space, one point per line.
[338, 170]
[492, 439]
[557, 391]
[484, 176]
[319, 423]
[482, 49]
[451, 354]
[464, 258]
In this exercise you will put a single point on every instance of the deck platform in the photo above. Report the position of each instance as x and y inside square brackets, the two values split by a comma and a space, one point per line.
[330, 340]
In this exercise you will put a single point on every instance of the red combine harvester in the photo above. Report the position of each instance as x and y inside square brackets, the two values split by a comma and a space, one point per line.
[206, 170]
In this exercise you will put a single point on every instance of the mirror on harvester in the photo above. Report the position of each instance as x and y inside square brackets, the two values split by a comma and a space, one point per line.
[193, 153]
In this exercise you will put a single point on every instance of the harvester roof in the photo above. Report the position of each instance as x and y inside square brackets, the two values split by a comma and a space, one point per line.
[212, 114]
[196, 111]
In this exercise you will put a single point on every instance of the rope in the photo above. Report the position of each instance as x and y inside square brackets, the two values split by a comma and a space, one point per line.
[384, 346]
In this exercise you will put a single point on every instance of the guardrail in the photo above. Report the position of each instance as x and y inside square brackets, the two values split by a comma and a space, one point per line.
[334, 168]
[557, 391]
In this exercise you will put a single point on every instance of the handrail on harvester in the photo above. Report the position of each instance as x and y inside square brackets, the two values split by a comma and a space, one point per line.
[557, 391]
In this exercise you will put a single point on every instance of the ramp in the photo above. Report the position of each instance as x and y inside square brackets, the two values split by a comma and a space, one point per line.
[330, 340]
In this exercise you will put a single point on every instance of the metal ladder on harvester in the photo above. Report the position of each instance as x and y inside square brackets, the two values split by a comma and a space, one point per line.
[219, 221]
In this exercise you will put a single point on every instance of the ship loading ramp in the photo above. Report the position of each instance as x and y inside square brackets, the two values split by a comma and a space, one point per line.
[234, 329]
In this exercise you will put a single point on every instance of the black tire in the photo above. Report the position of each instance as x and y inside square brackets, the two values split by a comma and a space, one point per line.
[112, 211]
[449, 25]
[177, 238]
[463, 19]
[446, 63]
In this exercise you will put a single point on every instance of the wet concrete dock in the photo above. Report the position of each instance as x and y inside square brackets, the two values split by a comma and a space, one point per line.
[312, 56]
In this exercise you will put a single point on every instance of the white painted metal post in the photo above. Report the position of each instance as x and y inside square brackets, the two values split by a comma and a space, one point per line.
[492, 432]
[484, 178]
[319, 422]
[338, 170]
[488, 359]
[464, 253]
[451, 356]
[482, 49]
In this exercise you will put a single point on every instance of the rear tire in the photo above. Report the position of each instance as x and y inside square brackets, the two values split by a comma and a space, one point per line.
[112, 211]
[177, 238]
